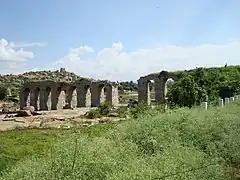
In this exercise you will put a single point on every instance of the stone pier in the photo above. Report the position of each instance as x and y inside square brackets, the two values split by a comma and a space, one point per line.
[51, 95]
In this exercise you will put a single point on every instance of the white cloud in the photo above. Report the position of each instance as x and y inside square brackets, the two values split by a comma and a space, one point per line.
[13, 58]
[115, 64]
[9, 53]
[24, 44]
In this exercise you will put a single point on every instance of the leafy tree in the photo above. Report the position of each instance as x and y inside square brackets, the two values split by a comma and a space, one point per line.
[3, 92]
[185, 92]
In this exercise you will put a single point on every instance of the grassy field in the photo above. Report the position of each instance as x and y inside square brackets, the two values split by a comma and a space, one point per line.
[181, 144]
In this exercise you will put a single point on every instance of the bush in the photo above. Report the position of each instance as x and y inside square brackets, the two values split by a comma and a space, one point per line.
[92, 114]
[105, 108]
[185, 93]
[141, 108]
[3, 92]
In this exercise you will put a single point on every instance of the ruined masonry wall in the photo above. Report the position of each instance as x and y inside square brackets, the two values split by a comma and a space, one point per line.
[50, 95]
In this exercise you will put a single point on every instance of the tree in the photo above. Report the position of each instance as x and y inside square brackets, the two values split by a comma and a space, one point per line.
[185, 92]
[3, 92]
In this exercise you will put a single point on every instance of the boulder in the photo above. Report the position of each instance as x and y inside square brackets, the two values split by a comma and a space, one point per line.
[113, 114]
[30, 108]
[24, 113]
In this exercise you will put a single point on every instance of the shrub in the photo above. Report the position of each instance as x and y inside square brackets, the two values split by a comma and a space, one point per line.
[141, 108]
[185, 93]
[3, 92]
[105, 108]
[92, 114]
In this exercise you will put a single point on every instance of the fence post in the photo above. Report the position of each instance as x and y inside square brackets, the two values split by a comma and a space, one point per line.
[226, 101]
[236, 97]
[231, 99]
[204, 105]
[221, 104]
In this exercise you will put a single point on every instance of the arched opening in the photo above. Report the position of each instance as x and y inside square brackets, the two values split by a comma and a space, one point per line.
[168, 84]
[71, 98]
[61, 97]
[152, 93]
[47, 99]
[26, 97]
[102, 91]
[37, 99]
[74, 97]
[88, 96]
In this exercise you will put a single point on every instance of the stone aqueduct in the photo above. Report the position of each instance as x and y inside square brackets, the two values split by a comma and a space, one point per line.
[51, 95]
[160, 80]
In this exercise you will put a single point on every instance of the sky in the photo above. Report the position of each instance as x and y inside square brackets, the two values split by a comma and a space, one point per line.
[118, 40]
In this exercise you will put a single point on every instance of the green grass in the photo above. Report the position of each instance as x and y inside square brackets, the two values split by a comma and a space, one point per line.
[182, 144]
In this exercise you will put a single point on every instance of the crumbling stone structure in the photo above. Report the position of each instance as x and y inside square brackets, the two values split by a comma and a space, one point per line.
[160, 80]
[51, 95]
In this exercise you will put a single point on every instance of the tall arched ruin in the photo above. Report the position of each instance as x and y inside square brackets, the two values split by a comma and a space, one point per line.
[51, 95]
[160, 80]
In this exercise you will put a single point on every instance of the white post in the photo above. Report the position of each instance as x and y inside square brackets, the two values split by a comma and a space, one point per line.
[236, 97]
[204, 105]
[221, 105]
[226, 101]
[231, 99]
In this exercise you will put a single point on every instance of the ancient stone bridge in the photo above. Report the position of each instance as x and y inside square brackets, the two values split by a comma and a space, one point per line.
[51, 95]
[160, 80]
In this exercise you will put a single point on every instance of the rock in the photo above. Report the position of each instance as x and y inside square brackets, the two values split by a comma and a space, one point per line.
[113, 114]
[10, 125]
[24, 113]
[30, 108]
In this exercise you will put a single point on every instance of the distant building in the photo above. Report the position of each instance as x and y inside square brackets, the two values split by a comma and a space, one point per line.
[62, 70]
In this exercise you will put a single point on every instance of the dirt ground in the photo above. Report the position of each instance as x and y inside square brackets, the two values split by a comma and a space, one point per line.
[65, 118]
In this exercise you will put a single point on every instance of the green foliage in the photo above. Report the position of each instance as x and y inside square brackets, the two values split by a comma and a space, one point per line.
[206, 81]
[105, 108]
[128, 86]
[185, 92]
[122, 111]
[3, 92]
[92, 114]
[140, 109]
[183, 144]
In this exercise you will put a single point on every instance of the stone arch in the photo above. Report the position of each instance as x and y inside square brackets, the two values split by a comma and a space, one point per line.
[71, 97]
[26, 97]
[168, 85]
[60, 97]
[88, 95]
[164, 78]
[47, 98]
[160, 86]
[102, 93]
[36, 99]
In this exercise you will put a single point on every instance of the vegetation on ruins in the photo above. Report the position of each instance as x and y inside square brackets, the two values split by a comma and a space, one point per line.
[180, 144]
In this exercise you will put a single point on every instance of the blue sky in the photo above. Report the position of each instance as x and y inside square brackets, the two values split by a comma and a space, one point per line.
[118, 40]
